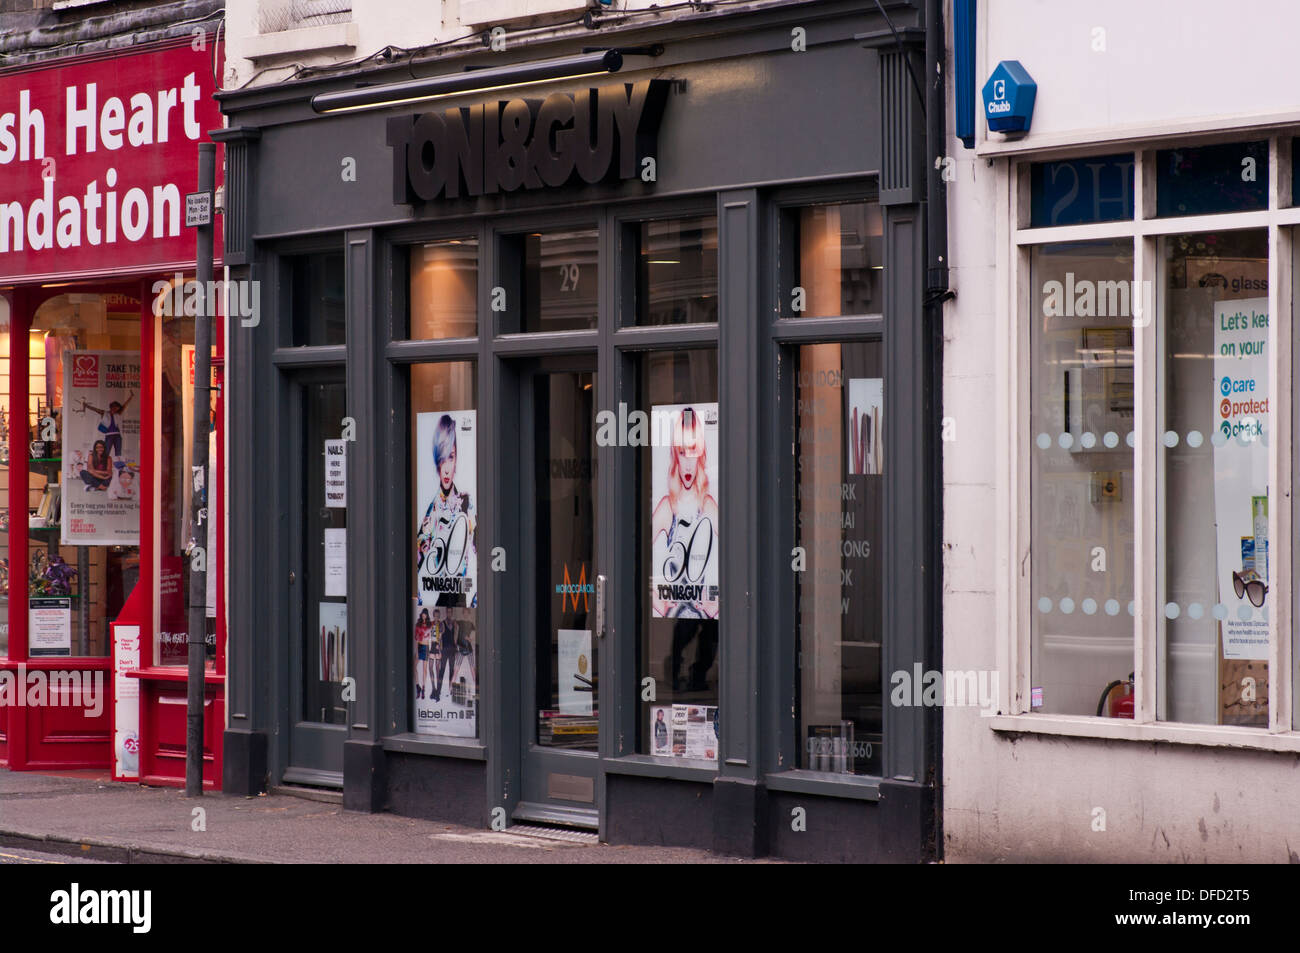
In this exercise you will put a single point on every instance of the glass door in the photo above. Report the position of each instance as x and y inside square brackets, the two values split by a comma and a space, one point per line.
[560, 682]
[317, 579]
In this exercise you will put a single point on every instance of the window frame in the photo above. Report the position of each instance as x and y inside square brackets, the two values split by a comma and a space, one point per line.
[1014, 301]
[785, 335]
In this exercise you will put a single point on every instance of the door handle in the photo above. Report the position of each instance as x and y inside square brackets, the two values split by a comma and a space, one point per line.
[292, 577]
[600, 606]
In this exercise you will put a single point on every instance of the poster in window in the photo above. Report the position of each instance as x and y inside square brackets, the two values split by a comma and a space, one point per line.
[1242, 421]
[101, 449]
[446, 571]
[684, 511]
[333, 641]
[866, 426]
[446, 671]
[446, 557]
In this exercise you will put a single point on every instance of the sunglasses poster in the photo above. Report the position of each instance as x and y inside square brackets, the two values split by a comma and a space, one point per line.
[1240, 444]
[101, 448]
[684, 511]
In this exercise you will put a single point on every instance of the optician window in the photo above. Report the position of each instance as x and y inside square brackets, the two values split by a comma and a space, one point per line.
[1146, 432]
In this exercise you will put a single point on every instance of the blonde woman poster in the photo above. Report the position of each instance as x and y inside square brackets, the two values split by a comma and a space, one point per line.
[684, 511]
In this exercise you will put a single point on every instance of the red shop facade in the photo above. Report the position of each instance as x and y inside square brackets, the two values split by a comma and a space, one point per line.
[97, 154]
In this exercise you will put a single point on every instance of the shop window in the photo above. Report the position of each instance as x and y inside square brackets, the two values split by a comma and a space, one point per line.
[444, 289]
[1202, 180]
[832, 260]
[676, 264]
[84, 467]
[1213, 445]
[1081, 475]
[327, 656]
[444, 549]
[678, 542]
[316, 302]
[839, 464]
[551, 281]
[1079, 191]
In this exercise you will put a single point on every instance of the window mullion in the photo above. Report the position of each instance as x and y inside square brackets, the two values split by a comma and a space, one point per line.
[1279, 395]
[1147, 499]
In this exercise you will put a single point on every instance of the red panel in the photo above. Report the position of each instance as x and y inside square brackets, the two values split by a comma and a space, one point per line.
[162, 733]
[66, 733]
[124, 161]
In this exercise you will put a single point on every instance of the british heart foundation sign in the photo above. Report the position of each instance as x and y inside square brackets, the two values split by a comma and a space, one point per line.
[96, 157]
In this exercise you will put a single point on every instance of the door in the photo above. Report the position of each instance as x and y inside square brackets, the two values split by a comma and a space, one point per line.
[560, 641]
[317, 579]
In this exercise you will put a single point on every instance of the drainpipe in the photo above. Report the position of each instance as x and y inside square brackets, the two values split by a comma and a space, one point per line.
[936, 293]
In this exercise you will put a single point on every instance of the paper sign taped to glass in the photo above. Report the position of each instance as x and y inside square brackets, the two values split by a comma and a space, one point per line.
[684, 511]
[101, 448]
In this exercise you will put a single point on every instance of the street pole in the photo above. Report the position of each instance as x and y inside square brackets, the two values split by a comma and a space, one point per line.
[199, 513]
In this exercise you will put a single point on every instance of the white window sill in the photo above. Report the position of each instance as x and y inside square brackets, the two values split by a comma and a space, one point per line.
[312, 39]
[1124, 729]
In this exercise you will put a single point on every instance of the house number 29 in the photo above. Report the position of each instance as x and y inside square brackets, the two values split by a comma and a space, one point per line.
[569, 277]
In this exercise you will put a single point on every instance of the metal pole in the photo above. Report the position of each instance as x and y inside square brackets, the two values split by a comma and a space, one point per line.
[199, 487]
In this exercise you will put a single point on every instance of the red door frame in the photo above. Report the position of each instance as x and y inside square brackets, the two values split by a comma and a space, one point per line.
[48, 738]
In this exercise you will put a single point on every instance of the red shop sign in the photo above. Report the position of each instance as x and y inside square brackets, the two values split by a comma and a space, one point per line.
[96, 157]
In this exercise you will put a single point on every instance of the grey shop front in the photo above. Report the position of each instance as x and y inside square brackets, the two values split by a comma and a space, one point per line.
[587, 440]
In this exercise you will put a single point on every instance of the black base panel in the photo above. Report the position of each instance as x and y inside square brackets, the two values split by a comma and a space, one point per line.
[658, 812]
[897, 829]
[243, 763]
[437, 789]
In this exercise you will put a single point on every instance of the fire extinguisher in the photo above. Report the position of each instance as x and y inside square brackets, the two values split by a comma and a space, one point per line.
[1121, 702]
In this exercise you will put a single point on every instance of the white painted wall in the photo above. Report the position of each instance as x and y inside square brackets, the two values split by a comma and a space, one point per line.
[1201, 62]
[409, 24]
[1032, 797]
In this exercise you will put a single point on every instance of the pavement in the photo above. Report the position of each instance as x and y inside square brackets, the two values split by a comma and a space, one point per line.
[85, 815]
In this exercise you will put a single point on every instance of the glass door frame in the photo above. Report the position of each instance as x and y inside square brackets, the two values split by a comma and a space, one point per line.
[315, 749]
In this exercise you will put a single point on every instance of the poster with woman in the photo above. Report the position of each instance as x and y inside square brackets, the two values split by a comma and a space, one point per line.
[446, 671]
[101, 448]
[446, 558]
[446, 574]
[684, 511]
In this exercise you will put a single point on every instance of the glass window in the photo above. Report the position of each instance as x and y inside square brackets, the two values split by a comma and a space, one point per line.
[1081, 477]
[316, 298]
[1202, 180]
[84, 462]
[567, 657]
[676, 270]
[444, 289]
[1077, 191]
[326, 654]
[177, 392]
[678, 538]
[1214, 455]
[444, 549]
[832, 260]
[559, 281]
[839, 466]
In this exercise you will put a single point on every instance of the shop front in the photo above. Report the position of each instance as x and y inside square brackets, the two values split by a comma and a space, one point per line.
[586, 449]
[97, 154]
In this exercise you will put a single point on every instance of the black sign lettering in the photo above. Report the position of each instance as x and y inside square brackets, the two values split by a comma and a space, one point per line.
[592, 135]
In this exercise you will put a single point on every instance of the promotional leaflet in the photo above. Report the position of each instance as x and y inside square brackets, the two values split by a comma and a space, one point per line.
[684, 731]
[101, 449]
[684, 511]
[1243, 421]
[446, 671]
